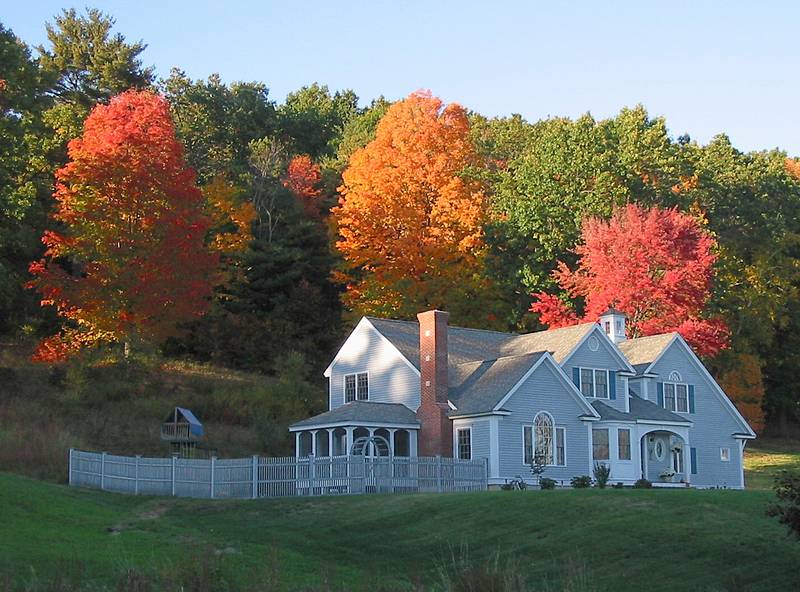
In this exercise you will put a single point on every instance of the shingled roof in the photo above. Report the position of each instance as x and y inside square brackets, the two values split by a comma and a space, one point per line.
[639, 409]
[362, 411]
[474, 345]
[642, 351]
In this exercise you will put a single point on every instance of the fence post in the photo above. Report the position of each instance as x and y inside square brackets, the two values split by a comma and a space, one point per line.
[439, 473]
[213, 462]
[136, 475]
[255, 476]
[174, 458]
[102, 470]
[69, 475]
[311, 474]
[485, 473]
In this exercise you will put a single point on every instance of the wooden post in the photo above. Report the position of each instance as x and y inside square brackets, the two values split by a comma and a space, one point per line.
[136, 477]
[213, 462]
[486, 473]
[255, 476]
[102, 470]
[174, 458]
[311, 471]
[69, 475]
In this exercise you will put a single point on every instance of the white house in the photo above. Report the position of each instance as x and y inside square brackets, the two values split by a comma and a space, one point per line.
[569, 398]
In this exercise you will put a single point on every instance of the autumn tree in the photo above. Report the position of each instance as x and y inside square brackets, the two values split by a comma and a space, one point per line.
[410, 215]
[303, 179]
[655, 265]
[130, 263]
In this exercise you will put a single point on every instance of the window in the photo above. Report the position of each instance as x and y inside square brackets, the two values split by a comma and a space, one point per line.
[624, 444]
[544, 443]
[676, 396]
[607, 327]
[464, 443]
[600, 444]
[594, 383]
[543, 439]
[677, 459]
[725, 454]
[356, 387]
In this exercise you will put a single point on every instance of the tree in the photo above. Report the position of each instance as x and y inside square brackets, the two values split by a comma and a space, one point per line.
[87, 65]
[655, 265]
[787, 508]
[130, 263]
[303, 180]
[743, 383]
[216, 123]
[411, 213]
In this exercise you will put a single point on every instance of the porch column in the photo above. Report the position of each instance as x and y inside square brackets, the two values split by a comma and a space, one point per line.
[314, 442]
[391, 441]
[297, 444]
[330, 442]
[412, 443]
[643, 446]
[371, 444]
[349, 440]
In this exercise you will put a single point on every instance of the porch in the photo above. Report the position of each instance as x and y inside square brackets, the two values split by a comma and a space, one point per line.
[665, 456]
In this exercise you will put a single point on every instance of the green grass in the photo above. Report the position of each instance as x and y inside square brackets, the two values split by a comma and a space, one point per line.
[764, 459]
[618, 539]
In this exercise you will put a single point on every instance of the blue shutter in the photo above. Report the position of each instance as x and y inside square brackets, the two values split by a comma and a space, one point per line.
[576, 377]
[693, 460]
[612, 384]
[660, 391]
[691, 398]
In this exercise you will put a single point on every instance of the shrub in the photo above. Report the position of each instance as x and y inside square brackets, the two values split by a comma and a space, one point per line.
[787, 508]
[547, 483]
[602, 473]
[618, 485]
[643, 484]
[581, 482]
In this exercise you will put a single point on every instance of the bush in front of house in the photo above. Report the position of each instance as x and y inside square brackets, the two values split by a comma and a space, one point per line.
[787, 508]
[618, 485]
[581, 482]
[547, 483]
[602, 473]
[643, 484]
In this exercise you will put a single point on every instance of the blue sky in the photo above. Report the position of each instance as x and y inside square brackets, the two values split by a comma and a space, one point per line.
[708, 67]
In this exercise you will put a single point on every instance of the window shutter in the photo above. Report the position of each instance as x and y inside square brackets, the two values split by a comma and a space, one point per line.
[576, 377]
[612, 384]
[693, 460]
[691, 398]
[660, 391]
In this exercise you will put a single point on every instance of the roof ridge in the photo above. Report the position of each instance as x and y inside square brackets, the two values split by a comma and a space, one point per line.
[667, 334]
[539, 352]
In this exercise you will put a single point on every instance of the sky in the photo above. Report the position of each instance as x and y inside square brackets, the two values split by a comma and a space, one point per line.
[707, 67]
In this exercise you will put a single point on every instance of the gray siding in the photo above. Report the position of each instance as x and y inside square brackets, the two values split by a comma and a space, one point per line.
[713, 426]
[480, 435]
[391, 379]
[543, 391]
[605, 358]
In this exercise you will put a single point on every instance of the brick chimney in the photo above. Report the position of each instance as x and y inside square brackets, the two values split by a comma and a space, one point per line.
[436, 430]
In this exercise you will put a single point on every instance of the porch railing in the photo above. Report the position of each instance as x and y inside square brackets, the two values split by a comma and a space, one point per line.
[273, 477]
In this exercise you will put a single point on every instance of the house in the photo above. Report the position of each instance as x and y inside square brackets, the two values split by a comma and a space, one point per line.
[567, 398]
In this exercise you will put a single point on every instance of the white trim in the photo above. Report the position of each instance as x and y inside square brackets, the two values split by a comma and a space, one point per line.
[481, 414]
[344, 386]
[716, 388]
[659, 422]
[615, 351]
[630, 444]
[675, 393]
[722, 455]
[563, 377]
[608, 434]
[457, 454]
[494, 447]
[594, 383]
[355, 424]
[365, 322]
[556, 427]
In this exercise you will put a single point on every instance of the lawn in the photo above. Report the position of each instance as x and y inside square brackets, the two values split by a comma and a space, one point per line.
[572, 539]
[764, 459]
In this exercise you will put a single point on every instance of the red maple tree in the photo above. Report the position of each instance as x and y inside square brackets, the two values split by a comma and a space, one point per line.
[655, 265]
[130, 261]
[303, 179]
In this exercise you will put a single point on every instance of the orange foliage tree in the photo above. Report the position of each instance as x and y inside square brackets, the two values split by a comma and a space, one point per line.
[303, 179]
[411, 212]
[130, 261]
[744, 384]
[655, 265]
[232, 220]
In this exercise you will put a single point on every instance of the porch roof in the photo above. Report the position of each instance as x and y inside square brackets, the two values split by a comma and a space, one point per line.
[362, 412]
[639, 410]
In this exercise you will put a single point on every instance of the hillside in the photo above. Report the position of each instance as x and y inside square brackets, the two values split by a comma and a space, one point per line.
[576, 540]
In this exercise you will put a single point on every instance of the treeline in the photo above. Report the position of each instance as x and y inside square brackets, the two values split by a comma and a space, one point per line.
[523, 190]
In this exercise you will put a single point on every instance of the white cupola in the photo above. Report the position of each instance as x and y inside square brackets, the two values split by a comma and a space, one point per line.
[613, 323]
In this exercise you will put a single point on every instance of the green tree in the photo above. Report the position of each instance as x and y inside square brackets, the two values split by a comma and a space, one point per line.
[86, 64]
[217, 122]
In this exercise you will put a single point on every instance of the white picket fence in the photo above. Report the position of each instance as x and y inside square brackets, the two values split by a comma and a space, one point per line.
[273, 477]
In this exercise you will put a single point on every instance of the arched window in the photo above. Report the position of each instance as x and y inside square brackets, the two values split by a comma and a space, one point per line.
[543, 439]
[675, 376]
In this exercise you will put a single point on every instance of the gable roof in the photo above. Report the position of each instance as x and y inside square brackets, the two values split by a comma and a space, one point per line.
[363, 411]
[472, 345]
[642, 352]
